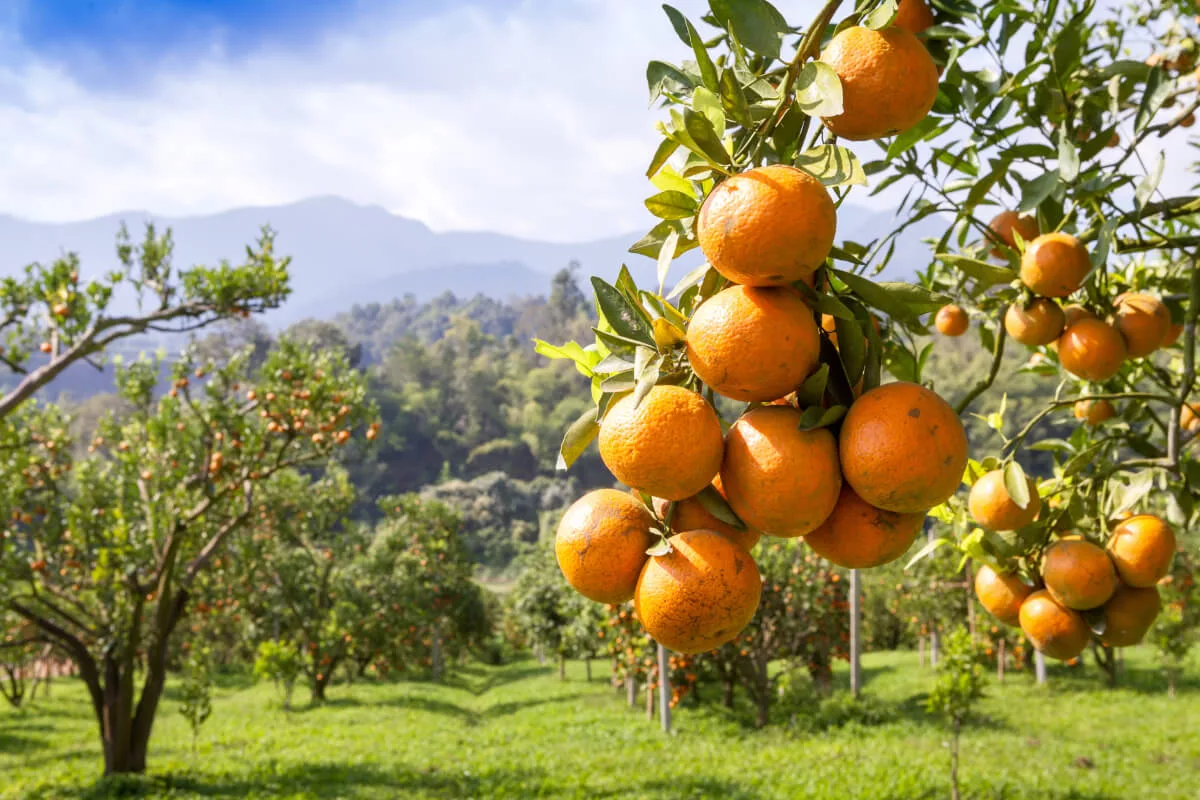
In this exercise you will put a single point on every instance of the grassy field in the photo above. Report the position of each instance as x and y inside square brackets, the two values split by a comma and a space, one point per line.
[516, 732]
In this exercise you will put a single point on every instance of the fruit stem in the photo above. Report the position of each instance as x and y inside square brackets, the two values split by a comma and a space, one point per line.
[1053, 405]
[997, 358]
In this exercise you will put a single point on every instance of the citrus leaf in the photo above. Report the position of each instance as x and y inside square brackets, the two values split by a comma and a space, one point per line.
[663, 77]
[1016, 484]
[832, 165]
[852, 347]
[626, 320]
[1149, 184]
[812, 390]
[1068, 156]
[817, 417]
[819, 90]
[716, 505]
[882, 16]
[672, 205]
[733, 98]
[665, 254]
[665, 150]
[986, 274]
[926, 551]
[667, 335]
[708, 104]
[687, 281]
[756, 23]
[577, 438]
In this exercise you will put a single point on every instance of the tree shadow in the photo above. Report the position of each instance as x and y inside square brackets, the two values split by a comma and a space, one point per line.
[460, 679]
[683, 786]
[21, 743]
[330, 780]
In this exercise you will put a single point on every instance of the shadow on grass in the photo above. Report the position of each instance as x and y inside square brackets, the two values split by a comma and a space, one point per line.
[683, 786]
[478, 680]
[317, 780]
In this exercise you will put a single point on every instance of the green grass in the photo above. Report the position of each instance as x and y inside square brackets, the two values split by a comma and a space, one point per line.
[516, 732]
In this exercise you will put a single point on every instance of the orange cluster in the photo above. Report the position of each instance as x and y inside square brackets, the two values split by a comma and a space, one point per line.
[1119, 581]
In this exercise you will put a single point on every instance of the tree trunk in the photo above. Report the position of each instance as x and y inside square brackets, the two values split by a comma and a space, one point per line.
[318, 688]
[855, 634]
[1039, 667]
[762, 697]
[968, 575]
[562, 667]
[587, 667]
[1171, 682]
[933, 648]
[954, 761]
[650, 701]
[436, 655]
[921, 650]
[1000, 662]
[727, 685]
[614, 675]
[664, 689]
[631, 690]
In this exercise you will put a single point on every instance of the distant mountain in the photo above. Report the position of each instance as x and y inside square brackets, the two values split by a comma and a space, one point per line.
[344, 253]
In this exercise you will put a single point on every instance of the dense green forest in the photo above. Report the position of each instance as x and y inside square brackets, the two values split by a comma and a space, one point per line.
[474, 417]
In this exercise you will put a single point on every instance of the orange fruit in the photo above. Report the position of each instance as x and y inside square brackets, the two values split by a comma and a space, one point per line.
[669, 446]
[913, 15]
[1002, 226]
[1078, 574]
[951, 321]
[903, 448]
[778, 478]
[1189, 417]
[1075, 312]
[889, 81]
[700, 595]
[1142, 547]
[1173, 334]
[768, 226]
[994, 508]
[601, 545]
[1041, 323]
[1129, 615]
[753, 344]
[1001, 594]
[1143, 321]
[1091, 350]
[1053, 629]
[1054, 265]
[691, 515]
[1094, 412]
[857, 535]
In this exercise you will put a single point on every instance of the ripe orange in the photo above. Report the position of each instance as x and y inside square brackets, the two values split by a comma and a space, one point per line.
[601, 545]
[1041, 323]
[670, 446]
[1142, 547]
[903, 448]
[889, 81]
[1129, 615]
[753, 344]
[778, 478]
[1189, 417]
[700, 595]
[1075, 312]
[1144, 322]
[1003, 225]
[1055, 630]
[768, 226]
[1001, 594]
[1173, 334]
[951, 321]
[914, 16]
[1054, 265]
[994, 508]
[1078, 574]
[1091, 350]
[1094, 412]
[691, 515]
[857, 535]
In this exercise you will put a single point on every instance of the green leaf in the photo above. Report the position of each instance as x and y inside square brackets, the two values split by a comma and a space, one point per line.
[812, 390]
[882, 16]
[672, 205]
[708, 71]
[1016, 484]
[665, 150]
[716, 505]
[852, 348]
[832, 165]
[817, 417]
[709, 105]
[819, 90]
[1037, 190]
[1154, 94]
[926, 551]
[734, 99]
[896, 299]
[648, 378]
[679, 23]
[584, 360]
[665, 255]
[756, 23]
[578, 437]
[1149, 184]
[1068, 157]
[626, 320]
[908, 139]
[662, 77]
[693, 278]
[650, 244]
[704, 136]
[661, 549]
[986, 274]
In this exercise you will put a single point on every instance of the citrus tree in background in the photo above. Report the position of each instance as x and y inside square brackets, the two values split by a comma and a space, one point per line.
[755, 386]
[103, 554]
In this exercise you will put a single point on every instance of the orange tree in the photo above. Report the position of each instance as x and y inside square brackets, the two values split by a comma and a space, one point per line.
[1089, 269]
[104, 557]
[51, 317]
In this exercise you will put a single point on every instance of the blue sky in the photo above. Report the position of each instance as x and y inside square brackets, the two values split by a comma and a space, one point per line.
[526, 117]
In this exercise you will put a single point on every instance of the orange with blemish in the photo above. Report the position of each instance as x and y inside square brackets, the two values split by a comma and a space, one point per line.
[1129, 614]
[1054, 629]
[857, 535]
[1001, 594]
[601, 545]
[1079, 574]
[1141, 548]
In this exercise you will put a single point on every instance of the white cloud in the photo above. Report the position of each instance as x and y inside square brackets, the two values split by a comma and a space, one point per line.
[531, 121]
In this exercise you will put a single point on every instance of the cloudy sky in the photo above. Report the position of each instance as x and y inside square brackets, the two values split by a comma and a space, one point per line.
[527, 117]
